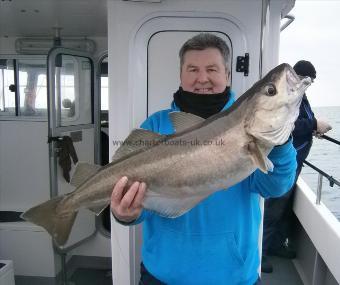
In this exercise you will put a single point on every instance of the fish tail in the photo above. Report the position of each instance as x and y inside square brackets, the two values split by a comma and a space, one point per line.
[48, 216]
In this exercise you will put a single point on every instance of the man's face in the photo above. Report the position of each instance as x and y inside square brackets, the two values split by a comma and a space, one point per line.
[204, 72]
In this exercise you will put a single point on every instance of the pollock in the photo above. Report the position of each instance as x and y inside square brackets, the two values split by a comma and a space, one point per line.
[202, 157]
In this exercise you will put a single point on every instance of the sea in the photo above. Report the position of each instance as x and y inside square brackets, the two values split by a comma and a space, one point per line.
[326, 156]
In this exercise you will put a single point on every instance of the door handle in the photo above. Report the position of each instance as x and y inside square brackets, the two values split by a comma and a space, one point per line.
[54, 139]
[12, 88]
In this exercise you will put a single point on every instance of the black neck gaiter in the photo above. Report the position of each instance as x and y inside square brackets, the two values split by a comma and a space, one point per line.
[203, 105]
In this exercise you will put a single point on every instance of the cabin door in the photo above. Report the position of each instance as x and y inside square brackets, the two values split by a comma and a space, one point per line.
[72, 126]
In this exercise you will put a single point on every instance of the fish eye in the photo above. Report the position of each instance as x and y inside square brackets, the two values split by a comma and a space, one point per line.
[270, 90]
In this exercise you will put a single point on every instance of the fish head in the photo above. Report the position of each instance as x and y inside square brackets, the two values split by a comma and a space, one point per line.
[274, 105]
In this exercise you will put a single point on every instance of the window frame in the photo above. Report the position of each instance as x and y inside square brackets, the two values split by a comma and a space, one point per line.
[17, 116]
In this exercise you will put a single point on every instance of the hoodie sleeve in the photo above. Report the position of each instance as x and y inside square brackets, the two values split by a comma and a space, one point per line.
[281, 179]
[151, 124]
[159, 123]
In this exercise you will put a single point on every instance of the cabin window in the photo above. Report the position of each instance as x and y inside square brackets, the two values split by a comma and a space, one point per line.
[104, 85]
[23, 88]
[67, 90]
[7, 92]
[32, 88]
[104, 93]
[72, 92]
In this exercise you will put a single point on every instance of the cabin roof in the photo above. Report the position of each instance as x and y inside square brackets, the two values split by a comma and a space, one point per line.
[87, 18]
[20, 18]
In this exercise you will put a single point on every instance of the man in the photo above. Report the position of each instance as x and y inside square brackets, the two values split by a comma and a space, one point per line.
[216, 242]
[306, 124]
[278, 214]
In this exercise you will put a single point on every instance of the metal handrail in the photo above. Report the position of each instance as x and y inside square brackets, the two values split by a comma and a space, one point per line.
[330, 178]
[290, 19]
[322, 174]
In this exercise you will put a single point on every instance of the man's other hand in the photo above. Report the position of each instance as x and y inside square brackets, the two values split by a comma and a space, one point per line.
[322, 128]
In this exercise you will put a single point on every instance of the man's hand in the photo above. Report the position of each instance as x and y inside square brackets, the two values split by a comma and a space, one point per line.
[127, 206]
[322, 128]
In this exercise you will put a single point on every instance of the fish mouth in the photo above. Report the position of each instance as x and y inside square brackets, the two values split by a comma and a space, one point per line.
[305, 82]
[294, 80]
[295, 88]
[301, 84]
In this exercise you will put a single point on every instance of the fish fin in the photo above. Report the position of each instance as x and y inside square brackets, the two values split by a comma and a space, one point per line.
[82, 172]
[260, 160]
[170, 207]
[46, 215]
[137, 140]
[98, 208]
[182, 121]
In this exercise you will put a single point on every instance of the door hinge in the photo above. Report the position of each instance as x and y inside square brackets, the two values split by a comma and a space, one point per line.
[242, 64]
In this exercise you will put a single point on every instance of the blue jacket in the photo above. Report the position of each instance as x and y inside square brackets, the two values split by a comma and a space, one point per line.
[304, 126]
[216, 242]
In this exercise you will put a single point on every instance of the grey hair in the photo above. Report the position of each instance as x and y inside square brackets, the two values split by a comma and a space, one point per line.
[203, 41]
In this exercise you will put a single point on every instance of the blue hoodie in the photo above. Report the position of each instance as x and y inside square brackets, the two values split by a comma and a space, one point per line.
[216, 242]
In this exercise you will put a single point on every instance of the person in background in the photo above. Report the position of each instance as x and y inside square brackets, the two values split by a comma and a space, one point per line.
[216, 242]
[278, 214]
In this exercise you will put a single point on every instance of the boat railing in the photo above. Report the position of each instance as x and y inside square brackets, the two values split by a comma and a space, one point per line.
[322, 173]
[288, 19]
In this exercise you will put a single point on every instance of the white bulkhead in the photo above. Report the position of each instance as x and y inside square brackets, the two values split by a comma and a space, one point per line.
[144, 38]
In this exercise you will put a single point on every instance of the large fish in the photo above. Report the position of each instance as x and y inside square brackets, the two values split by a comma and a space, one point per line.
[202, 157]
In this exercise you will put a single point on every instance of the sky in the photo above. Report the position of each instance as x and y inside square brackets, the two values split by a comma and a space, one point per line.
[315, 36]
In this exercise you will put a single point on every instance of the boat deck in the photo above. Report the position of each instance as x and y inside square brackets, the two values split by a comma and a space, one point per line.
[82, 276]
[80, 271]
[284, 273]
